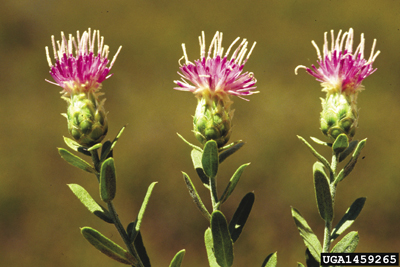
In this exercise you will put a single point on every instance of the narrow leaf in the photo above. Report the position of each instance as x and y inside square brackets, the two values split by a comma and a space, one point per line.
[322, 192]
[310, 239]
[299, 264]
[190, 144]
[177, 260]
[233, 182]
[76, 161]
[210, 159]
[223, 246]
[195, 196]
[319, 142]
[350, 165]
[240, 217]
[347, 220]
[208, 240]
[96, 146]
[106, 150]
[107, 246]
[227, 151]
[90, 203]
[310, 261]
[141, 250]
[348, 150]
[348, 244]
[136, 238]
[340, 144]
[108, 180]
[196, 159]
[144, 205]
[317, 155]
[75, 146]
[271, 260]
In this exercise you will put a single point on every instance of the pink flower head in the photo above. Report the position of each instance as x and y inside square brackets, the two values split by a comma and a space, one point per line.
[341, 69]
[217, 75]
[84, 71]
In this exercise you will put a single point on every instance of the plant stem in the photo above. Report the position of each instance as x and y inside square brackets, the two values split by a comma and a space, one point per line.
[328, 224]
[123, 233]
[114, 215]
[214, 193]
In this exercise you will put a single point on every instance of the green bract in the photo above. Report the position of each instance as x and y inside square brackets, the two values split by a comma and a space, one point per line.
[87, 120]
[339, 116]
[212, 121]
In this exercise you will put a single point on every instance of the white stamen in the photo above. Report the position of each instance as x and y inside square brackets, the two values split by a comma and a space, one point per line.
[48, 57]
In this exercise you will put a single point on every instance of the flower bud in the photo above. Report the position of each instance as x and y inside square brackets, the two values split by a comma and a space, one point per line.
[87, 119]
[338, 116]
[212, 121]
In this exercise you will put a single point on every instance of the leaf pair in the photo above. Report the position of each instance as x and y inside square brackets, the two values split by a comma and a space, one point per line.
[348, 242]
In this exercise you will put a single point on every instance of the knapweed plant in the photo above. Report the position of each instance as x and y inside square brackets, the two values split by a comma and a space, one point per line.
[341, 72]
[213, 79]
[80, 72]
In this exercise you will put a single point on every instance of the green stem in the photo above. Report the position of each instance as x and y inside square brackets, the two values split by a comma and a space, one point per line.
[123, 233]
[328, 224]
[114, 215]
[214, 193]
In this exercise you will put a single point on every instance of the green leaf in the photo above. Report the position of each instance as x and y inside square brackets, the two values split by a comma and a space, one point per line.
[232, 183]
[310, 261]
[96, 146]
[75, 146]
[229, 150]
[317, 155]
[144, 205]
[76, 161]
[347, 220]
[130, 230]
[310, 239]
[190, 144]
[208, 240]
[340, 144]
[90, 203]
[348, 244]
[322, 192]
[107, 246]
[210, 159]
[196, 159]
[271, 260]
[177, 260]
[195, 196]
[348, 151]
[240, 217]
[106, 150]
[350, 165]
[108, 181]
[222, 242]
[136, 238]
[299, 264]
[141, 250]
[319, 142]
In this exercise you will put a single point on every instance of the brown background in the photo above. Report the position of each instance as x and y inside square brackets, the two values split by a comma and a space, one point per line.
[40, 217]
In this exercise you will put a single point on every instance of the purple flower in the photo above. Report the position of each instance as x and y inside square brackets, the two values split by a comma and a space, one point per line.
[341, 69]
[84, 71]
[216, 75]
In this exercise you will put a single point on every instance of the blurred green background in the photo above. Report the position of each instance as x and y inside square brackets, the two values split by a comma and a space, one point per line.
[40, 217]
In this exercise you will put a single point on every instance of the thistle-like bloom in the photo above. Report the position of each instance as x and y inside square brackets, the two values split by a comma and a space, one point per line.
[213, 79]
[217, 75]
[80, 75]
[84, 71]
[341, 72]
